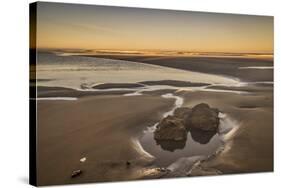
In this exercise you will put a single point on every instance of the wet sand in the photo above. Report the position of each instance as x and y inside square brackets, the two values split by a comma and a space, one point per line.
[175, 83]
[105, 130]
[100, 128]
[251, 148]
[227, 66]
[104, 126]
[43, 91]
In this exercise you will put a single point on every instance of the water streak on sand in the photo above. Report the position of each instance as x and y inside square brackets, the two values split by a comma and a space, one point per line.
[261, 82]
[56, 99]
[225, 91]
[178, 103]
[185, 164]
[228, 127]
[139, 91]
[257, 67]
[138, 147]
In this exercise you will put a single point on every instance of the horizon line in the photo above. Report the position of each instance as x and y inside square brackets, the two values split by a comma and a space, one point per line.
[132, 51]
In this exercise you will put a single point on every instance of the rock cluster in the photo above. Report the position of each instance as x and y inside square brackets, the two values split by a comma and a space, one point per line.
[174, 128]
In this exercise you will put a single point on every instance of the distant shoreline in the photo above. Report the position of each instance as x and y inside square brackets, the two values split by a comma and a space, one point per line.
[227, 66]
[157, 53]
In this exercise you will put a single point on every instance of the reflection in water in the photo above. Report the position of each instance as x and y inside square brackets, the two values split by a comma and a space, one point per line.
[202, 137]
[167, 152]
[198, 143]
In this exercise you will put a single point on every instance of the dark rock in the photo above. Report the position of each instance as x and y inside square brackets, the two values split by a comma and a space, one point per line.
[76, 173]
[128, 163]
[182, 112]
[204, 118]
[170, 128]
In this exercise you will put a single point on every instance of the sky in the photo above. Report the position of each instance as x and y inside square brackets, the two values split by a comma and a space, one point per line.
[76, 26]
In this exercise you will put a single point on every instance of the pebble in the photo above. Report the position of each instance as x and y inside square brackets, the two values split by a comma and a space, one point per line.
[76, 173]
[82, 160]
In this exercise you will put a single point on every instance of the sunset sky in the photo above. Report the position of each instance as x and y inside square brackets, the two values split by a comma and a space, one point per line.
[73, 26]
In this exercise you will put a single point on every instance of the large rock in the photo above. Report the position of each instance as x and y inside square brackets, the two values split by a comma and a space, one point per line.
[170, 128]
[204, 118]
[183, 114]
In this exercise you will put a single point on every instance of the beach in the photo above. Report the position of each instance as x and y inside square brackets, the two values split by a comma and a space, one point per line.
[250, 149]
[102, 125]
[100, 128]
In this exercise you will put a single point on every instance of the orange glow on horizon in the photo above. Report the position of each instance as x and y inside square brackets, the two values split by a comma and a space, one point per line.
[65, 26]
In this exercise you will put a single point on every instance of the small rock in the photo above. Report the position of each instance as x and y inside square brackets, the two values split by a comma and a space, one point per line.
[128, 163]
[76, 173]
[163, 169]
[82, 160]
